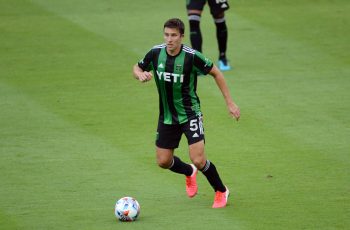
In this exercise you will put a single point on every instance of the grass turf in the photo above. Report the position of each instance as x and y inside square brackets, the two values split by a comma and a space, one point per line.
[77, 131]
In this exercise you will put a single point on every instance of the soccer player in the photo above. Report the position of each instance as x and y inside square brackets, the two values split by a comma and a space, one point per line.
[217, 10]
[175, 67]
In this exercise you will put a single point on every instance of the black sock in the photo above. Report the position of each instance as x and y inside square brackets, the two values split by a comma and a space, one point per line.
[180, 167]
[195, 34]
[212, 175]
[221, 36]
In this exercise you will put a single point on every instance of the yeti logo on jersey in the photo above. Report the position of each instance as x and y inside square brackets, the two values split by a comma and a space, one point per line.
[168, 76]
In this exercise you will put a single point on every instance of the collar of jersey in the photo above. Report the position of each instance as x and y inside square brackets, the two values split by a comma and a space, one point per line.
[176, 54]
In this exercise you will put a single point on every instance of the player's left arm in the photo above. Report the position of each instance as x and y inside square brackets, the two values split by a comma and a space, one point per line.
[221, 83]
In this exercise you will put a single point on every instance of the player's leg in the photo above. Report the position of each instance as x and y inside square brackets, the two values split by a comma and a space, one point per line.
[210, 172]
[167, 160]
[168, 138]
[194, 12]
[195, 137]
[217, 9]
[221, 36]
[164, 157]
[199, 159]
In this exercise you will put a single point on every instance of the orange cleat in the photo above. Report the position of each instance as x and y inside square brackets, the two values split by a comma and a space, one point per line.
[221, 198]
[191, 183]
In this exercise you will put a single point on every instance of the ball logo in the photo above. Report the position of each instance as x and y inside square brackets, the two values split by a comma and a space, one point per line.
[127, 209]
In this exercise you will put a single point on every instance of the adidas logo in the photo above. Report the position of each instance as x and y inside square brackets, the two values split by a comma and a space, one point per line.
[161, 65]
[195, 135]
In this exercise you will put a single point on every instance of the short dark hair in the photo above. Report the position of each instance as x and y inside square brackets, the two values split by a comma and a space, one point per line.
[175, 23]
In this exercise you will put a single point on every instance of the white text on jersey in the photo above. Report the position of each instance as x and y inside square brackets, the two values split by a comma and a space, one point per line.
[167, 76]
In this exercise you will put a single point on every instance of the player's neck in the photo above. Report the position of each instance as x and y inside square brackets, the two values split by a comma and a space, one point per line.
[174, 52]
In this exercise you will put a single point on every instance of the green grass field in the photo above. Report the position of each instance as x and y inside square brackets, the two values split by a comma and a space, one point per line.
[77, 131]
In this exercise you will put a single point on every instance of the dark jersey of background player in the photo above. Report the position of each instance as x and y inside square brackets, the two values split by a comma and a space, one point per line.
[176, 79]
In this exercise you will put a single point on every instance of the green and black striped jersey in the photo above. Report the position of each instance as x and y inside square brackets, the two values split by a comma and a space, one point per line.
[176, 79]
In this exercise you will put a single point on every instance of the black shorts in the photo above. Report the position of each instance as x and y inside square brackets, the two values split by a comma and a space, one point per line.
[216, 6]
[169, 136]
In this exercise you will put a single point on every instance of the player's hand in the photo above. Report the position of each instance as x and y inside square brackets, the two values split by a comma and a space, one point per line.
[234, 111]
[145, 76]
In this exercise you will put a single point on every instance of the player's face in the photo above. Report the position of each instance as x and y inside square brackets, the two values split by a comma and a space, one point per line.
[173, 40]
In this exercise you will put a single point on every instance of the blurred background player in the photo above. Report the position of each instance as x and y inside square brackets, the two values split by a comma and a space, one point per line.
[217, 10]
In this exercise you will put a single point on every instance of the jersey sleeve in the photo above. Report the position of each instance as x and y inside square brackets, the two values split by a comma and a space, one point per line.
[201, 63]
[146, 63]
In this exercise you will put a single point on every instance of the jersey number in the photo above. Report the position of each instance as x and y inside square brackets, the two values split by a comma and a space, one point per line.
[194, 125]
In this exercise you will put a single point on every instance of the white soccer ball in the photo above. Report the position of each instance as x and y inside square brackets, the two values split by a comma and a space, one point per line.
[127, 209]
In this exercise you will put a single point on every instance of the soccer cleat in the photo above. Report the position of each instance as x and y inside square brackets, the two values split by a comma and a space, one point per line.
[191, 183]
[223, 65]
[221, 198]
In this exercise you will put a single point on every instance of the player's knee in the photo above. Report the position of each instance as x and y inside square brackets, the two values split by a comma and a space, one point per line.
[163, 165]
[199, 162]
[219, 15]
[163, 162]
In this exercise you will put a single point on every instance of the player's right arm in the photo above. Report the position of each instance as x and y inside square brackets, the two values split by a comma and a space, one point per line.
[141, 70]
[139, 74]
